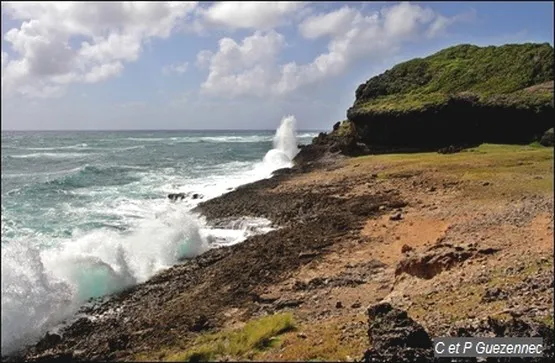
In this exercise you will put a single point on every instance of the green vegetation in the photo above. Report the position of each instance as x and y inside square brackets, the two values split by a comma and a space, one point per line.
[512, 169]
[346, 128]
[487, 75]
[321, 341]
[255, 336]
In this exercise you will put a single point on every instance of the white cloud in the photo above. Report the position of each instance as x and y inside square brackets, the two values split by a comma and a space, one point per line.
[353, 35]
[203, 58]
[109, 34]
[245, 68]
[178, 68]
[260, 15]
[333, 23]
[441, 23]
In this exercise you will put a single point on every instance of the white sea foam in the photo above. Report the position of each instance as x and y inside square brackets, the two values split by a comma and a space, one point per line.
[50, 155]
[76, 146]
[218, 139]
[40, 288]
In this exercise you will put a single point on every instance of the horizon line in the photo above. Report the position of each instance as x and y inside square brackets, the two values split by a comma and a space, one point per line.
[128, 130]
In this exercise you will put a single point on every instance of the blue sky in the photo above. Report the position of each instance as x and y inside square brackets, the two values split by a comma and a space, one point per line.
[226, 65]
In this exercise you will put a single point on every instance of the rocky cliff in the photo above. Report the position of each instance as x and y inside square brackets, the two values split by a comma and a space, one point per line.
[462, 95]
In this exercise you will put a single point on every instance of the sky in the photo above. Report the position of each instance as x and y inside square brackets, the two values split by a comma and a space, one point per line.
[228, 65]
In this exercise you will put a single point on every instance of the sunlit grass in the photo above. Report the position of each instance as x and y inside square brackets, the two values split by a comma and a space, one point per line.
[254, 336]
[511, 169]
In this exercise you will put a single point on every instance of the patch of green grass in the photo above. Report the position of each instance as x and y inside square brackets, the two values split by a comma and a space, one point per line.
[346, 128]
[255, 336]
[490, 76]
[536, 144]
[546, 319]
[512, 169]
[322, 342]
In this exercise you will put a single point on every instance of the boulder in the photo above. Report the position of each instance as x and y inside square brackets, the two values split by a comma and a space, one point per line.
[176, 196]
[395, 337]
[547, 138]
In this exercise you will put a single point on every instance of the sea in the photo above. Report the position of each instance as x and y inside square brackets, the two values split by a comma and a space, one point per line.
[86, 213]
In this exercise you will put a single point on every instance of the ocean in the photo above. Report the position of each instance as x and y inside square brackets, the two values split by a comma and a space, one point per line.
[86, 214]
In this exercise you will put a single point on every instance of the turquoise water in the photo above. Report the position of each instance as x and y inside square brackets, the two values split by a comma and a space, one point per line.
[85, 214]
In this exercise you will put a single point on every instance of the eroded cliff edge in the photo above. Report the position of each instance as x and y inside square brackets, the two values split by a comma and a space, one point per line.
[460, 96]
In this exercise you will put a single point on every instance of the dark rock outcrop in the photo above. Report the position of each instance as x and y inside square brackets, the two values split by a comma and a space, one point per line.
[438, 258]
[395, 337]
[547, 138]
[460, 95]
[457, 98]
[176, 196]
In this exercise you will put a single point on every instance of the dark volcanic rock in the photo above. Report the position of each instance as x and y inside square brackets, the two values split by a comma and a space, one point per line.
[176, 196]
[547, 138]
[515, 327]
[494, 294]
[451, 149]
[394, 337]
[439, 102]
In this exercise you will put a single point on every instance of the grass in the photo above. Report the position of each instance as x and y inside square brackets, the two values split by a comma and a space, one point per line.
[322, 343]
[254, 336]
[346, 128]
[512, 169]
[492, 75]
[547, 320]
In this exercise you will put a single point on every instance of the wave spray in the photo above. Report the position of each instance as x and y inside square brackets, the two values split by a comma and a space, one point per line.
[285, 145]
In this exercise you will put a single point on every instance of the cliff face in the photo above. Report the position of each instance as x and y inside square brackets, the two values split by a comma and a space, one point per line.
[462, 95]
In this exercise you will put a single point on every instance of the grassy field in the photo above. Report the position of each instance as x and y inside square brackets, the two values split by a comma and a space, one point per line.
[511, 169]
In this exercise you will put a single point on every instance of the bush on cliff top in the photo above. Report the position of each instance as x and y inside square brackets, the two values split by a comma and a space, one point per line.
[493, 74]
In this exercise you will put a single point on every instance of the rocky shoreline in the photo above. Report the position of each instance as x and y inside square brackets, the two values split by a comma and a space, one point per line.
[323, 263]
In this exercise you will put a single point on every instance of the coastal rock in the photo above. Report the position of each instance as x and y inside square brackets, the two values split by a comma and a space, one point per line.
[451, 149]
[515, 327]
[176, 196]
[494, 294]
[396, 216]
[413, 106]
[395, 337]
[288, 303]
[406, 248]
[547, 138]
[438, 258]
